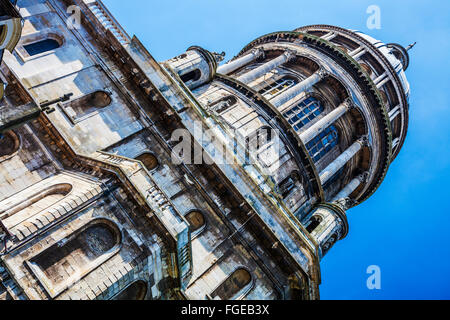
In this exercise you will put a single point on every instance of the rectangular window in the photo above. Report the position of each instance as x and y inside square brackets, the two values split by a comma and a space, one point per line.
[303, 113]
[277, 87]
[323, 143]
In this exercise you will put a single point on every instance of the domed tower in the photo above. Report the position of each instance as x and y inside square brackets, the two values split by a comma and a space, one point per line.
[336, 99]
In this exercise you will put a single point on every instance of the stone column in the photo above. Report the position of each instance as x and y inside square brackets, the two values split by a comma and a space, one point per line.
[267, 67]
[298, 88]
[240, 62]
[394, 113]
[325, 122]
[341, 161]
[329, 36]
[382, 79]
[357, 53]
[350, 187]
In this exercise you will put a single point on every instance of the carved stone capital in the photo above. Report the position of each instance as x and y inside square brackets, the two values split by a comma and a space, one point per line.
[290, 54]
[364, 141]
[258, 53]
[344, 203]
[349, 103]
[363, 177]
[219, 56]
[322, 73]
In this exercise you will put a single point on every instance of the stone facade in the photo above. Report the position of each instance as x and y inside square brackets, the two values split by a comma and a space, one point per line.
[92, 203]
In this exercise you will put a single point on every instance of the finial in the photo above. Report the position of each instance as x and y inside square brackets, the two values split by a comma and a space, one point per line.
[411, 46]
[219, 56]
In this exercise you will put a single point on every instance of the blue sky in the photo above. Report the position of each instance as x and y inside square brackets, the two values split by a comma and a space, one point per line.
[404, 227]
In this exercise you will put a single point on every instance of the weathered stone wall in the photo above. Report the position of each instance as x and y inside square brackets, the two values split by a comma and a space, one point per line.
[75, 166]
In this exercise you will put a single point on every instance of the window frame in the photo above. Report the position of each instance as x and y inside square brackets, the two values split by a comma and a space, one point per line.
[295, 177]
[242, 293]
[197, 75]
[197, 232]
[74, 119]
[54, 291]
[34, 38]
[276, 84]
[268, 132]
[17, 145]
[309, 108]
[33, 48]
[152, 154]
[319, 219]
[217, 104]
[323, 148]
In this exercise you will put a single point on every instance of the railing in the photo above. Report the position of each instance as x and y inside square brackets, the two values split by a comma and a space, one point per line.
[107, 20]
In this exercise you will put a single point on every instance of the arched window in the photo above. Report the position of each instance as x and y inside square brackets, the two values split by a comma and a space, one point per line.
[9, 144]
[315, 222]
[196, 220]
[235, 284]
[193, 75]
[135, 291]
[149, 160]
[98, 99]
[304, 112]
[42, 46]
[224, 104]
[275, 88]
[70, 259]
[288, 185]
[86, 105]
[34, 204]
[323, 143]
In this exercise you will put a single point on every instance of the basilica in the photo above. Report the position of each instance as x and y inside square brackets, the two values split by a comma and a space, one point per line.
[102, 192]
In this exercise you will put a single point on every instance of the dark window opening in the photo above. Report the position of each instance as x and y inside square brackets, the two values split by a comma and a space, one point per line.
[193, 75]
[196, 220]
[149, 160]
[42, 46]
[9, 144]
[136, 291]
[315, 222]
[233, 285]
[288, 185]
[87, 104]
[72, 256]
[259, 139]
[224, 104]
